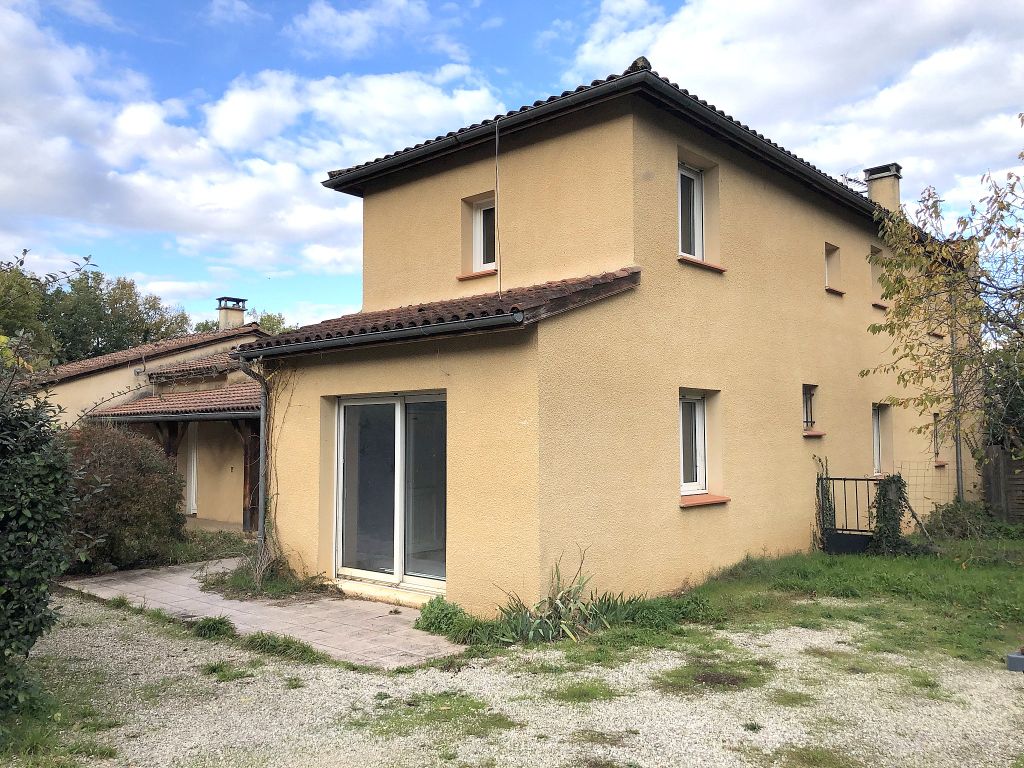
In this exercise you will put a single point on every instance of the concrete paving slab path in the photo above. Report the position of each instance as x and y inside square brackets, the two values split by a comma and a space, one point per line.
[357, 631]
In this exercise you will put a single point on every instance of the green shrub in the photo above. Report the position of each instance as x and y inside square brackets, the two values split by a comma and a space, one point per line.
[35, 491]
[439, 617]
[970, 520]
[129, 512]
[890, 507]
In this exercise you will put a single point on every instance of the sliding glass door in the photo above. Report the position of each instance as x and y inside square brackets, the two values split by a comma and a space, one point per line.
[392, 479]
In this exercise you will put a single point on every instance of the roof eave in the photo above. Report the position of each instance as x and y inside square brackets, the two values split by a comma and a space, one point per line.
[197, 416]
[454, 327]
[666, 95]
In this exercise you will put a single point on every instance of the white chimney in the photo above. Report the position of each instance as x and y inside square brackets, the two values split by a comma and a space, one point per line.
[230, 312]
[884, 185]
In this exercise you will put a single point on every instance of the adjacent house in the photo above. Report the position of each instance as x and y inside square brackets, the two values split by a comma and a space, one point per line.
[190, 395]
[616, 322]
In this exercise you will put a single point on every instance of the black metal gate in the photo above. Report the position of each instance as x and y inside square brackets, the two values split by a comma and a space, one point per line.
[846, 513]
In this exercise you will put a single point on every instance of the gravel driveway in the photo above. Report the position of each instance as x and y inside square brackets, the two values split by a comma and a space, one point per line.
[815, 709]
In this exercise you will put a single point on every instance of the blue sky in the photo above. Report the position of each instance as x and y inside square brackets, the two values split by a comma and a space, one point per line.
[182, 143]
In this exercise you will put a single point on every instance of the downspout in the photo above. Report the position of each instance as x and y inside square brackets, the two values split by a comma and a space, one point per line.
[261, 480]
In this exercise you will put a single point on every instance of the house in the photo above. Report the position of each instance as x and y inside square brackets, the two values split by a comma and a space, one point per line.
[617, 322]
[190, 395]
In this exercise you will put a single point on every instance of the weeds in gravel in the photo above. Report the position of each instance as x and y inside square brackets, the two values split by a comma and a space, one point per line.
[285, 648]
[583, 692]
[784, 698]
[214, 628]
[224, 671]
[173, 687]
[449, 714]
[600, 737]
[752, 727]
[292, 682]
[814, 757]
[119, 602]
[71, 703]
[711, 673]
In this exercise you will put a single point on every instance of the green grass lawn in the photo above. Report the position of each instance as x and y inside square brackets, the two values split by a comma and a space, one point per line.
[967, 602]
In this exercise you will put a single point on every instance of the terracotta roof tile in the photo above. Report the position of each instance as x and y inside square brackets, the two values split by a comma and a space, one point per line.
[535, 302]
[237, 397]
[141, 353]
[208, 365]
[641, 71]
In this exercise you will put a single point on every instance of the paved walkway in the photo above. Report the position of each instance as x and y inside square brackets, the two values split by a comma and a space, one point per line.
[352, 630]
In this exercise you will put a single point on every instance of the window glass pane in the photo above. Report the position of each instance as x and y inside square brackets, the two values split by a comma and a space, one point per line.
[368, 537]
[487, 222]
[688, 410]
[686, 230]
[425, 465]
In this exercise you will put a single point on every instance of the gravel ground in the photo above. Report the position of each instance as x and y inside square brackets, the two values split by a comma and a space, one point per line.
[172, 715]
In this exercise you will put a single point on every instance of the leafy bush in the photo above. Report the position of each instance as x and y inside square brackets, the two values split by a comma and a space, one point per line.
[439, 617]
[35, 491]
[129, 512]
[890, 506]
[971, 520]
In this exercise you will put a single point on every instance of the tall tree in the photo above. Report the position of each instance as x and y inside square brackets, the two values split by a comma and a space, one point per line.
[93, 315]
[955, 290]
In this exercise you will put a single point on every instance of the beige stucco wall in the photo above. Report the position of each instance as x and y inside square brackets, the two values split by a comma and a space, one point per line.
[219, 472]
[562, 204]
[583, 419]
[77, 395]
[610, 377]
[490, 387]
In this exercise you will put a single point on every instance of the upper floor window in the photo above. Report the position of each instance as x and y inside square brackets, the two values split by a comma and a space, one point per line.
[809, 406]
[693, 444]
[833, 269]
[485, 255]
[691, 212]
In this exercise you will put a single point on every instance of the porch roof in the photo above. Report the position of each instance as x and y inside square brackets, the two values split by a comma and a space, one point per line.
[514, 307]
[236, 401]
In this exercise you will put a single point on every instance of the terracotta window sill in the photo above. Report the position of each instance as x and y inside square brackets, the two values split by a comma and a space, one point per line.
[702, 500]
[701, 263]
[879, 305]
[940, 464]
[814, 433]
[475, 275]
[834, 291]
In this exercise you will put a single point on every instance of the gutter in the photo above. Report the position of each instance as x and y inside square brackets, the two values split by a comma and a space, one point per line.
[207, 416]
[508, 319]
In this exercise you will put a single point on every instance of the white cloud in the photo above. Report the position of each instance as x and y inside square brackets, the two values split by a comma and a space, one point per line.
[934, 86]
[308, 313]
[88, 12]
[332, 259]
[232, 180]
[179, 290]
[233, 12]
[354, 31]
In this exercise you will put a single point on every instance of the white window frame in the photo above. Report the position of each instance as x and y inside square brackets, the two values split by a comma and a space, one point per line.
[700, 450]
[478, 235]
[399, 578]
[876, 437]
[697, 177]
[191, 469]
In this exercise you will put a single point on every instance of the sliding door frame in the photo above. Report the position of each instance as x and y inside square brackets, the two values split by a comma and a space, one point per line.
[398, 577]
